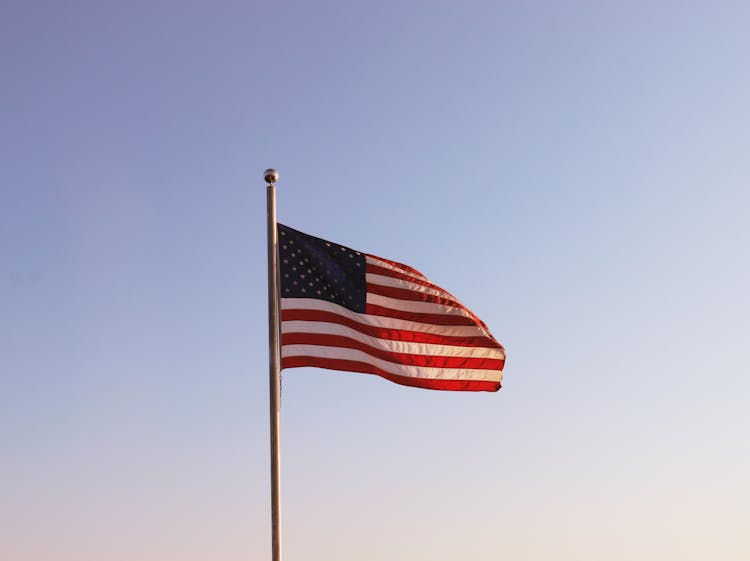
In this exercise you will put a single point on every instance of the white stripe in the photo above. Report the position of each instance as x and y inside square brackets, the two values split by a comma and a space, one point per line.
[396, 369]
[384, 322]
[380, 263]
[382, 280]
[405, 347]
[414, 306]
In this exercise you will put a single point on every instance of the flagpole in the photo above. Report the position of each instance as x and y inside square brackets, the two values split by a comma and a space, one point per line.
[272, 176]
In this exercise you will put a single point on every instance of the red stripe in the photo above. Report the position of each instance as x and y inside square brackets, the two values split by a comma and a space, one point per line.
[377, 270]
[326, 340]
[356, 366]
[412, 295]
[434, 319]
[374, 269]
[411, 270]
[388, 334]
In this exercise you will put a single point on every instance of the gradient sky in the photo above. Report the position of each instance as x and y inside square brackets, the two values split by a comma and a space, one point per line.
[575, 172]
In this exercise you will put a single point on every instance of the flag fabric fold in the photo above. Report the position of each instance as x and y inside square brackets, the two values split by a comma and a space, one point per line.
[344, 309]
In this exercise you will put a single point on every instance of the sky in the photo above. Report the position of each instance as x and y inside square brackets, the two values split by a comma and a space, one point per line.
[575, 172]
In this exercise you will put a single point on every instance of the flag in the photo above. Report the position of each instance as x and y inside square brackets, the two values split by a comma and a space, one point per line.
[343, 309]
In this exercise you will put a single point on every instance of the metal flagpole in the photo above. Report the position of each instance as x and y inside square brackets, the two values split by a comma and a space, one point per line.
[272, 176]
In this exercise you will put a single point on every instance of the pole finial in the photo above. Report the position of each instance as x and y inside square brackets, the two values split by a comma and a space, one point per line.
[271, 176]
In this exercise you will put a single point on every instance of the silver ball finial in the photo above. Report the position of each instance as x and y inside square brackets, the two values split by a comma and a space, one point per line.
[271, 176]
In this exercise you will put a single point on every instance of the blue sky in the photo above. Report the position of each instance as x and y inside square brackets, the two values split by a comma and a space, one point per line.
[575, 172]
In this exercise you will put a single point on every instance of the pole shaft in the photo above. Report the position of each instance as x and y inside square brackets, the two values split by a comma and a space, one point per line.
[273, 372]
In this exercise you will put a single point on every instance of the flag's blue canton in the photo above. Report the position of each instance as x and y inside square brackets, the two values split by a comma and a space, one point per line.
[315, 268]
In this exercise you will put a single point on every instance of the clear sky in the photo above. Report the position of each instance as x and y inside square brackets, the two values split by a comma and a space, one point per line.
[575, 172]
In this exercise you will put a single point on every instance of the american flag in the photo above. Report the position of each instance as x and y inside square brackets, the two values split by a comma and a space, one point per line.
[342, 309]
